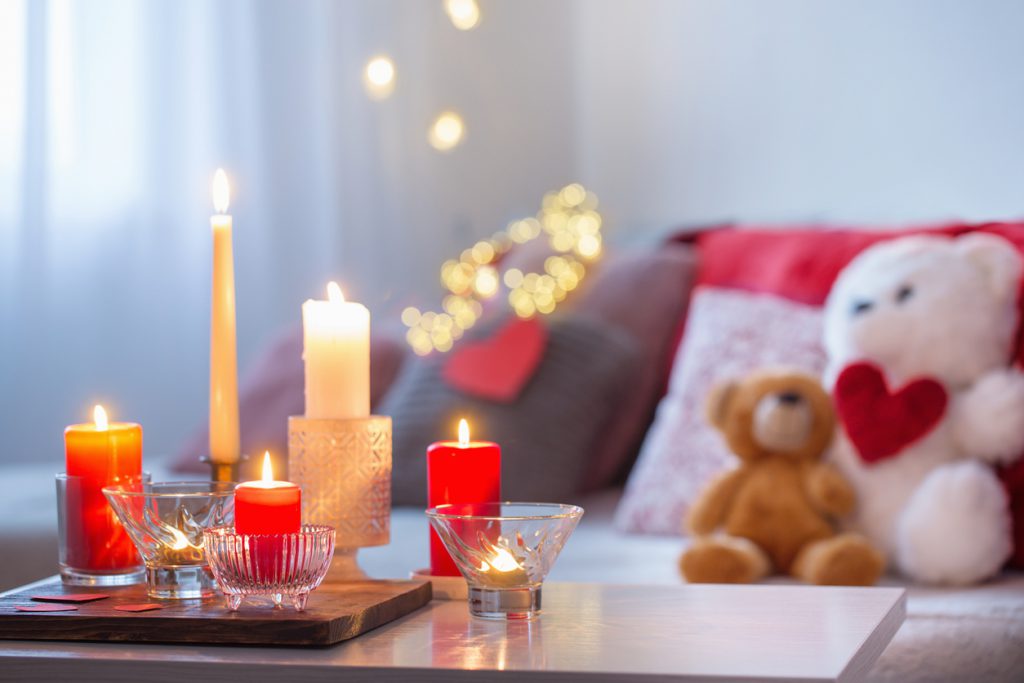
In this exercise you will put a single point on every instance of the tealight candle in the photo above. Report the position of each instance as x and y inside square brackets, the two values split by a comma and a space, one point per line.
[460, 471]
[267, 506]
[502, 570]
[101, 453]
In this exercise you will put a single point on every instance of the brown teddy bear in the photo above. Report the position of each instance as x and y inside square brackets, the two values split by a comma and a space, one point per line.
[776, 511]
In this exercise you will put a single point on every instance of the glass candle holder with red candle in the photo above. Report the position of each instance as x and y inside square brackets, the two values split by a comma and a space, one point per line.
[96, 549]
[460, 471]
[266, 513]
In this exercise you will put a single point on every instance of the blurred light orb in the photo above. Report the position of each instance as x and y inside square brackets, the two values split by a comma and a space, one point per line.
[486, 282]
[447, 131]
[572, 195]
[379, 77]
[525, 308]
[483, 252]
[513, 278]
[588, 246]
[410, 316]
[465, 14]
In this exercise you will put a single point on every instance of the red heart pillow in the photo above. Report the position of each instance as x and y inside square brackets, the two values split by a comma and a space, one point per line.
[499, 367]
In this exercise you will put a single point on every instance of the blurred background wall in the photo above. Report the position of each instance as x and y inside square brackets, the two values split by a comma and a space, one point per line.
[114, 114]
[880, 111]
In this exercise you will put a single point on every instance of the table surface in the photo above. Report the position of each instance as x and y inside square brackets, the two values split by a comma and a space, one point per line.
[587, 633]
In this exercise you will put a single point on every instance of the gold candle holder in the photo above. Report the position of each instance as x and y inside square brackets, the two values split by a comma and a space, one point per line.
[344, 469]
[221, 472]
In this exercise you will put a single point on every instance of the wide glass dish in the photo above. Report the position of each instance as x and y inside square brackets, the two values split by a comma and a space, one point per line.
[274, 565]
[166, 521]
[505, 551]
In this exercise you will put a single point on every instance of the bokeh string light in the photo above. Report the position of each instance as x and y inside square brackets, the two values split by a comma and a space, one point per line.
[464, 14]
[447, 131]
[572, 225]
[379, 77]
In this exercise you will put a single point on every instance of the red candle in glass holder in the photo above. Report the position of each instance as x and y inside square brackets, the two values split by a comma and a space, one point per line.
[460, 471]
[268, 506]
[102, 454]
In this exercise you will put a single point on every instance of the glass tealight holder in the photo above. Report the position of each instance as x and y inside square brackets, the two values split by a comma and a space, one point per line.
[505, 550]
[93, 548]
[166, 522]
[278, 566]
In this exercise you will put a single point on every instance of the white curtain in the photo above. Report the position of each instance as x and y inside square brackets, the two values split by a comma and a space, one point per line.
[115, 114]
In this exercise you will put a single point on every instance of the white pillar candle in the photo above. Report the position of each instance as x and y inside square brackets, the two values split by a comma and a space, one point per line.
[336, 350]
[224, 445]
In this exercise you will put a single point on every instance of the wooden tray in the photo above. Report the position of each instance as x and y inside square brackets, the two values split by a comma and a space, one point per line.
[335, 612]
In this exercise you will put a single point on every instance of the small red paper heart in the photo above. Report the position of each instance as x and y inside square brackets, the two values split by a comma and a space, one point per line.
[498, 368]
[71, 597]
[881, 423]
[144, 607]
[46, 608]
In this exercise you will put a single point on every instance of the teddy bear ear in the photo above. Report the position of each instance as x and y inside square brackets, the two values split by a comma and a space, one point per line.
[718, 402]
[997, 258]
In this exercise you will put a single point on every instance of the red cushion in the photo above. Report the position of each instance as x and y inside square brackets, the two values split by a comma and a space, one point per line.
[801, 263]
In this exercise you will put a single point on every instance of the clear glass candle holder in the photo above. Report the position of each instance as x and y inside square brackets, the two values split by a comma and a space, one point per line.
[274, 565]
[93, 547]
[166, 522]
[505, 550]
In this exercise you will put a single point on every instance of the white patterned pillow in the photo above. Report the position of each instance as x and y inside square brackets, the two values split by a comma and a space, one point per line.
[728, 334]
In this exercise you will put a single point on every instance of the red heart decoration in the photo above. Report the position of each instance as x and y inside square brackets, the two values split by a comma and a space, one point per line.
[499, 367]
[141, 607]
[881, 423]
[71, 597]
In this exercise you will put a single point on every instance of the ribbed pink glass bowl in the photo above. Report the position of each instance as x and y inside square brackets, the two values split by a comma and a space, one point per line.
[276, 565]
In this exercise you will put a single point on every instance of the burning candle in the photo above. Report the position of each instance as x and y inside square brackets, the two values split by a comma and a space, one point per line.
[267, 506]
[336, 351]
[460, 471]
[100, 454]
[502, 570]
[224, 438]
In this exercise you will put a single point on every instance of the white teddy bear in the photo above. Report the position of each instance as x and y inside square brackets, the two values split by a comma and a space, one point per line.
[919, 334]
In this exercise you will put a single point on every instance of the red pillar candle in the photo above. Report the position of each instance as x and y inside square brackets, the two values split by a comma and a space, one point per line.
[100, 454]
[460, 471]
[267, 506]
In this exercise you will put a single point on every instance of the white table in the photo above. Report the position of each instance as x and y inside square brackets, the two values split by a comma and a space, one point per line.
[587, 633]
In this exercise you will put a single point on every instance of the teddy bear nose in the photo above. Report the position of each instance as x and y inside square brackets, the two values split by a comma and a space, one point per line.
[862, 306]
[789, 398]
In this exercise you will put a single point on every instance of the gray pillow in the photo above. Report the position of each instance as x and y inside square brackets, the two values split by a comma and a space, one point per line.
[547, 434]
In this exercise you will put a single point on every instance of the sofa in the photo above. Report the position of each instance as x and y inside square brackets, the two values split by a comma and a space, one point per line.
[951, 634]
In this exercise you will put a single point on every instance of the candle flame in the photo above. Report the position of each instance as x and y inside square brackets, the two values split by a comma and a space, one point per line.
[334, 294]
[180, 540]
[99, 416]
[504, 561]
[221, 191]
[463, 433]
[268, 468]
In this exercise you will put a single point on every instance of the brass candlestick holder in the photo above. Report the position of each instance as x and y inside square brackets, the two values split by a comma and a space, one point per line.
[221, 472]
[344, 469]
